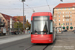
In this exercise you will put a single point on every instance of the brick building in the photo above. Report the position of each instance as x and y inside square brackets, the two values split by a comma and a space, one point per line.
[64, 16]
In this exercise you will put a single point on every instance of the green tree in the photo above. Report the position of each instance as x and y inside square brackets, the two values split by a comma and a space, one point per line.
[27, 25]
[18, 24]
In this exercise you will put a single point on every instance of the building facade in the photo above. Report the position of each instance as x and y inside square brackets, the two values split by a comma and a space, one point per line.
[6, 20]
[64, 16]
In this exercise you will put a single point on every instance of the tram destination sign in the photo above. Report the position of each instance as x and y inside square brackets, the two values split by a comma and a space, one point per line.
[40, 18]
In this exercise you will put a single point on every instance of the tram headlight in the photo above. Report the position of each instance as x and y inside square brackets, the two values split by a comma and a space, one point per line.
[36, 33]
[49, 40]
[45, 33]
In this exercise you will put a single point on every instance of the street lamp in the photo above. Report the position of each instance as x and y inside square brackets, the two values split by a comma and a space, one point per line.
[23, 13]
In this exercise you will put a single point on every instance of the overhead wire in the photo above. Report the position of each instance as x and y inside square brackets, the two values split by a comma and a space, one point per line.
[26, 8]
[30, 8]
[48, 5]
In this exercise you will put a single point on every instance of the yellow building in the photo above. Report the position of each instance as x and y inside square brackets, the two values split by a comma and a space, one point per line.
[64, 16]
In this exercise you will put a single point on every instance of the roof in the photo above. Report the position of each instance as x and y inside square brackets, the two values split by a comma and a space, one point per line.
[41, 14]
[63, 5]
[7, 17]
[20, 18]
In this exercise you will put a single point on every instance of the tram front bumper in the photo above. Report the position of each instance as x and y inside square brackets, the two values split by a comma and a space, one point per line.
[41, 40]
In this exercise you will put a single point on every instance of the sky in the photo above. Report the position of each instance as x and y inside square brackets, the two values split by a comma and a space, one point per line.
[15, 7]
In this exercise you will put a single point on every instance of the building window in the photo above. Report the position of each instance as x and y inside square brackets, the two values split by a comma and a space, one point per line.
[54, 16]
[67, 19]
[66, 15]
[73, 8]
[69, 8]
[57, 8]
[59, 19]
[63, 23]
[59, 23]
[70, 19]
[54, 19]
[63, 19]
[66, 12]
[70, 23]
[66, 23]
[59, 15]
[65, 8]
[54, 24]
[63, 12]
[70, 15]
[63, 15]
[70, 12]
[58, 12]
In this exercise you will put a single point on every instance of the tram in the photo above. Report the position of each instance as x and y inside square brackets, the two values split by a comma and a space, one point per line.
[42, 28]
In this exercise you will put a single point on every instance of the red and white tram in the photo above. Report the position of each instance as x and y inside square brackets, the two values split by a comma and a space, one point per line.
[42, 28]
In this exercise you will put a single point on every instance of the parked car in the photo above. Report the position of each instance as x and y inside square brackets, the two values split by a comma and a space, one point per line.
[14, 31]
[64, 30]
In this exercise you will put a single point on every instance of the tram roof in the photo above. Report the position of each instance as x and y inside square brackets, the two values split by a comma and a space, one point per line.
[41, 14]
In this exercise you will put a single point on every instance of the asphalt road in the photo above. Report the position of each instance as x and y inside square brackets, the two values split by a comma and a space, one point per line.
[65, 41]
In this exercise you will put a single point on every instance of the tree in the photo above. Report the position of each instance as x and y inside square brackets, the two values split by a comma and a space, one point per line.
[27, 25]
[18, 25]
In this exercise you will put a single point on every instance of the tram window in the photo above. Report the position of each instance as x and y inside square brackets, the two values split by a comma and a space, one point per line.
[51, 26]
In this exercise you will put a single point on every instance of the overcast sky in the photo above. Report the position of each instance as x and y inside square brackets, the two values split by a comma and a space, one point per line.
[15, 7]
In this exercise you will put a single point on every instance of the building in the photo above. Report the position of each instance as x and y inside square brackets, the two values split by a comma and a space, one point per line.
[20, 19]
[64, 16]
[6, 20]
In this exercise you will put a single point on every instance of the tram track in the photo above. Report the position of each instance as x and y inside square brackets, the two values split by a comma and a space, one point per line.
[34, 45]
[29, 47]
[45, 47]
[42, 46]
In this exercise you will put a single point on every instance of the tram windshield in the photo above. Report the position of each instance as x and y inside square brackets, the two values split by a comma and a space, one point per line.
[41, 24]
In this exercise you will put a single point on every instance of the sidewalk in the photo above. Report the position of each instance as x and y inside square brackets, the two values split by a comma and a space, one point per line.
[66, 33]
[8, 36]
[11, 38]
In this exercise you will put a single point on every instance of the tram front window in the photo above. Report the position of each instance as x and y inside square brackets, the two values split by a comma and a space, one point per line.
[40, 27]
